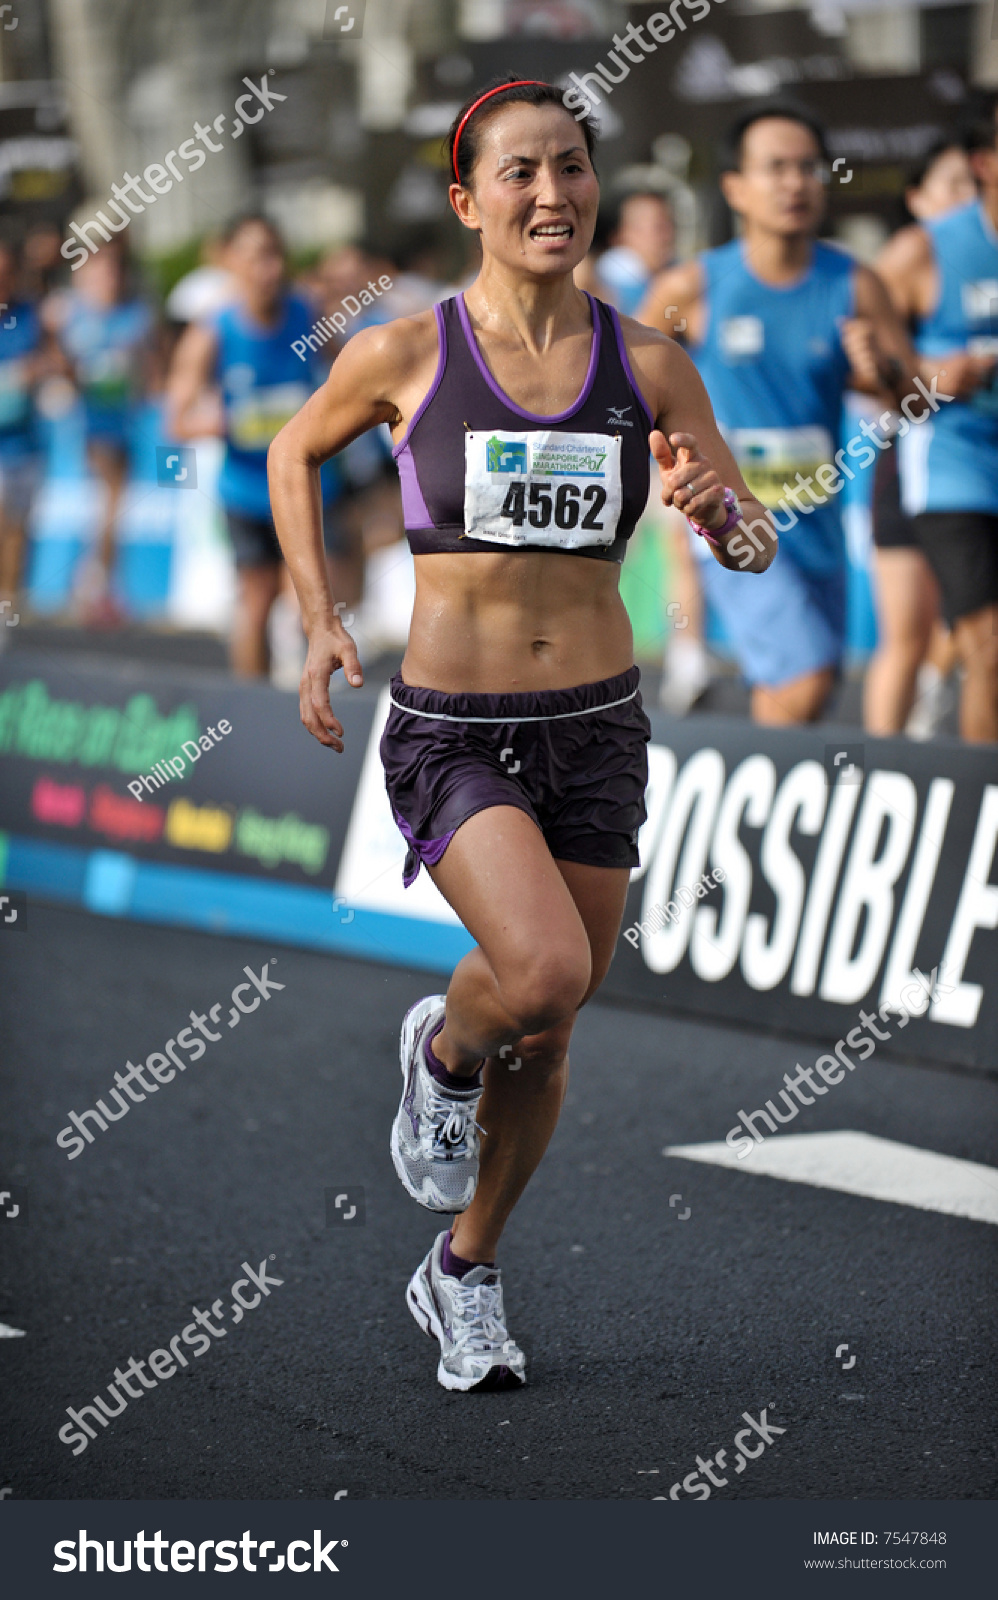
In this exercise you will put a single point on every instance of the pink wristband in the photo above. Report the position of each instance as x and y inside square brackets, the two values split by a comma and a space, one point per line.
[731, 520]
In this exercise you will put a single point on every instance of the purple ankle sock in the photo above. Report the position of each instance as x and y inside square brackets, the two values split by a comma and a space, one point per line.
[455, 1266]
[450, 1080]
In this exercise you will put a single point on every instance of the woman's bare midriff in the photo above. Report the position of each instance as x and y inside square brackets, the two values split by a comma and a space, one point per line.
[515, 622]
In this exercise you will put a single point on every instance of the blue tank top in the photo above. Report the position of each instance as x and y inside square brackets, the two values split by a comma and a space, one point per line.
[773, 365]
[263, 383]
[949, 462]
[105, 344]
[480, 474]
[20, 336]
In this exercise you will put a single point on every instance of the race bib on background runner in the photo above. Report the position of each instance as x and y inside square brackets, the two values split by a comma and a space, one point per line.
[772, 457]
[560, 490]
[256, 418]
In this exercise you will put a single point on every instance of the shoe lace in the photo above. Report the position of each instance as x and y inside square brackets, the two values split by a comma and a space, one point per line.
[448, 1121]
[479, 1308]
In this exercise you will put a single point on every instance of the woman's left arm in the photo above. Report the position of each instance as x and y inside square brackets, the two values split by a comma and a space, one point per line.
[694, 462]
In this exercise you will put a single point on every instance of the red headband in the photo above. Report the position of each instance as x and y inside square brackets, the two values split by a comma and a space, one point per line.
[518, 84]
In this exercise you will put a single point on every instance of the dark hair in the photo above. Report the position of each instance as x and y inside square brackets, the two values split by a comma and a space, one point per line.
[732, 145]
[530, 94]
[919, 170]
[982, 132]
[252, 219]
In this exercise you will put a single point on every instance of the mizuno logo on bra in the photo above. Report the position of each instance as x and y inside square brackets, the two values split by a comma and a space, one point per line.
[616, 414]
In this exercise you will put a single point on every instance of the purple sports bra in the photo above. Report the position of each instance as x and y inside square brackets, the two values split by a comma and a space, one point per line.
[480, 474]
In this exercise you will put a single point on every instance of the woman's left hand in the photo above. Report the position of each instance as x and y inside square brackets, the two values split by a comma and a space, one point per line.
[689, 482]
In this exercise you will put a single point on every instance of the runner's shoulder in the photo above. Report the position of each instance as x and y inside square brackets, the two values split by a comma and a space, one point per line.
[908, 250]
[395, 347]
[660, 365]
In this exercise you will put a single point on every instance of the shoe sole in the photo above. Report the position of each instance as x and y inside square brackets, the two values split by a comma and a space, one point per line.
[421, 1306]
[428, 1197]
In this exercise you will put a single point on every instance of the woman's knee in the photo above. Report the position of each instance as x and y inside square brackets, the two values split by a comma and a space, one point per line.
[541, 1056]
[547, 989]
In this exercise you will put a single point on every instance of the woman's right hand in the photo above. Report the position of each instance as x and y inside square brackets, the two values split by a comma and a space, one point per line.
[328, 649]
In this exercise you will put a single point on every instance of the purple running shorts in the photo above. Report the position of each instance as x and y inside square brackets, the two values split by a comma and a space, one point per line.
[574, 760]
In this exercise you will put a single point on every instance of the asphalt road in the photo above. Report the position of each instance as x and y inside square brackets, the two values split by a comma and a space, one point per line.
[648, 1333]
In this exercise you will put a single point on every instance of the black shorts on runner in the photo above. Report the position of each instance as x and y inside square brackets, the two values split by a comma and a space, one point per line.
[255, 543]
[574, 760]
[962, 550]
[892, 530]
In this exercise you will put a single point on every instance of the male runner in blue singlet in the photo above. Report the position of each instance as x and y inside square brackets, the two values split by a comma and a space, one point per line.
[237, 375]
[779, 326]
[947, 283]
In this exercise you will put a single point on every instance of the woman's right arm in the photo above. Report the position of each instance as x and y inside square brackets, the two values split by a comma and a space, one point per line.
[379, 376]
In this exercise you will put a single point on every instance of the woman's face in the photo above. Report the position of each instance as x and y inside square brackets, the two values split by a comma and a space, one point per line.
[255, 257]
[949, 182]
[534, 193]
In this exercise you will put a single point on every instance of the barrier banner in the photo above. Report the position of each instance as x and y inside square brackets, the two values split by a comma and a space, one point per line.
[793, 879]
[798, 878]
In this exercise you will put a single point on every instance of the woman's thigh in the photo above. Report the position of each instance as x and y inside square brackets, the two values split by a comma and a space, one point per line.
[500, 877]
[527, 912]
[599, 894]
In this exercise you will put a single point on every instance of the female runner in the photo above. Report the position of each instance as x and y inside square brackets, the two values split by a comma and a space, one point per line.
[523, 412]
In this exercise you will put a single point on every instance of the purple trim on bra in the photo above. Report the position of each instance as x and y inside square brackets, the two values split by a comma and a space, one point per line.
[414, 512]
[625, 363]
[437, 379]
[421, 851]
[500, 394]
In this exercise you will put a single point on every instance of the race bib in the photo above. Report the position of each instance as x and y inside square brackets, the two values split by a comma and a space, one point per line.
[560, 490]
[106, 377]
[256, 418]
[741, 337]
[772, 457]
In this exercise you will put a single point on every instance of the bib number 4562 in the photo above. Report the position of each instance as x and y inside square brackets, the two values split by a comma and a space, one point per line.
[566, 505]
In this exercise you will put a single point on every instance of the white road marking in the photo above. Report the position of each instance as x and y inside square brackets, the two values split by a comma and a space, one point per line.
[10, 1333]
[860, 1163]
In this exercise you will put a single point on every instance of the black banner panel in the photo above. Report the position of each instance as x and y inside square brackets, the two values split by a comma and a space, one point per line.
[799, 879]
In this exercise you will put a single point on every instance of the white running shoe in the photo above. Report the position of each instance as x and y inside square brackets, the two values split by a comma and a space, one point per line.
[935, 697]
[466, 1316]
[435, 1135]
